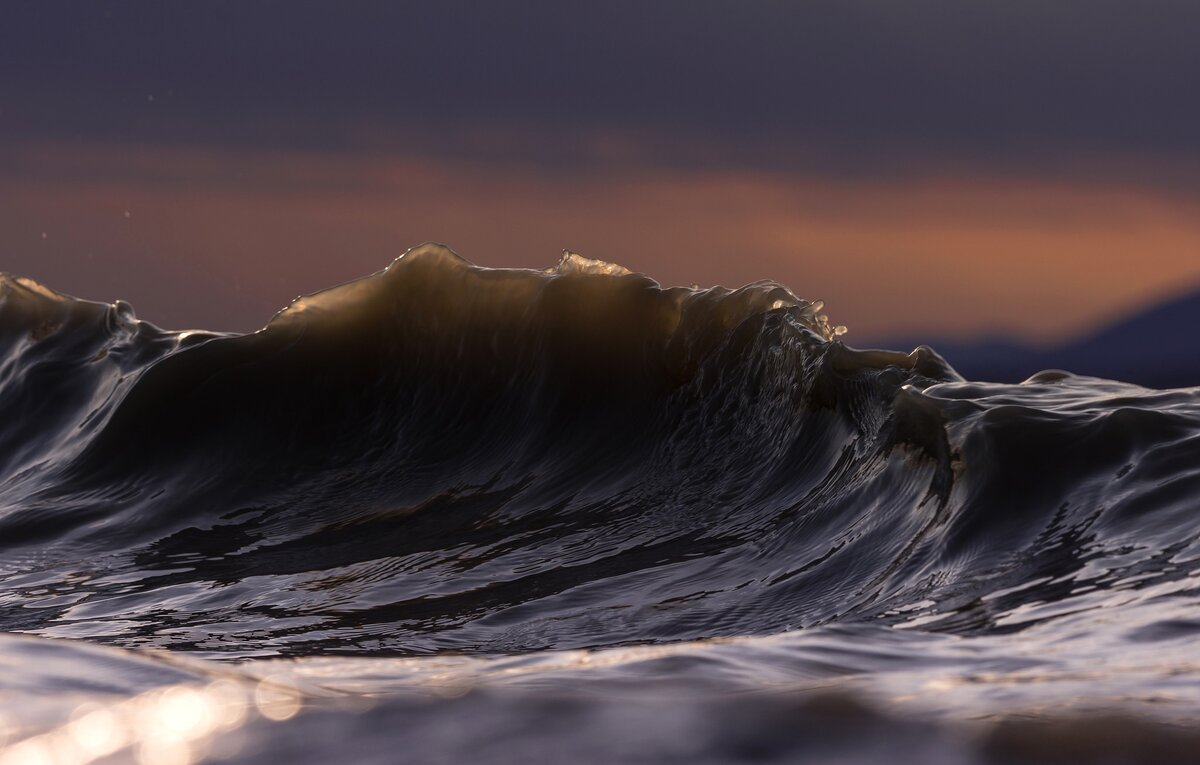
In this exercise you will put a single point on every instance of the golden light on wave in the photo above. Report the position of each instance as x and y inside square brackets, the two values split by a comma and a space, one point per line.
[276, 701]
[176, 725]
[97, 731]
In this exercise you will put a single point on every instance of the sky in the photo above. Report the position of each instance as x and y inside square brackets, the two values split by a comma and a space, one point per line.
[928, 168]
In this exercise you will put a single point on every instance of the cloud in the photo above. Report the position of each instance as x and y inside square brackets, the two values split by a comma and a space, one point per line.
[222, 238]
[848, 86]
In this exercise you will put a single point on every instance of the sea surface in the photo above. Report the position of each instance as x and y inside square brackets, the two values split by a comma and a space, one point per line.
[447, 513]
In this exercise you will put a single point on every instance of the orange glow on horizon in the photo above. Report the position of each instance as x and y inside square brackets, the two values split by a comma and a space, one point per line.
[224, 239]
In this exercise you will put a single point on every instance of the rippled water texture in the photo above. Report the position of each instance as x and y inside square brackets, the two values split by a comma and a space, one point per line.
[448, 513]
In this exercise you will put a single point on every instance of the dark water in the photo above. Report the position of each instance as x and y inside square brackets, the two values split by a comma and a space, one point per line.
[453, 514]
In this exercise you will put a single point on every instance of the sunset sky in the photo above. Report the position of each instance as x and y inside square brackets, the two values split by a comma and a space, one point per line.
[946, 169]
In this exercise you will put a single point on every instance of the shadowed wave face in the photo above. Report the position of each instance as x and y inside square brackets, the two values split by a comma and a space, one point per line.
[441, 456]
[487, 464]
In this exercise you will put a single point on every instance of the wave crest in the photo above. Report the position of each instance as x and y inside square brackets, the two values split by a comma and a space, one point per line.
[442, 456]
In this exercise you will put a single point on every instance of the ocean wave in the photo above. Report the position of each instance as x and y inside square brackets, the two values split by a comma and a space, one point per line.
[447, 457]
[497, 513]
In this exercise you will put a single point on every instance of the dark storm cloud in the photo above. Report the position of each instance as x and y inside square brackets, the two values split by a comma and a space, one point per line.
[838, 82]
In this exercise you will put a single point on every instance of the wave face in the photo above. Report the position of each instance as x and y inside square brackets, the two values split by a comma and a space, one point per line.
[441, 459]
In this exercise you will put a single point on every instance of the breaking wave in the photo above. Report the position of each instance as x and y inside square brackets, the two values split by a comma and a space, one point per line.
[442, 459]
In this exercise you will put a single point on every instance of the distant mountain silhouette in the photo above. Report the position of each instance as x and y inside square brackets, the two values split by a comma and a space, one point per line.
[1158, 347]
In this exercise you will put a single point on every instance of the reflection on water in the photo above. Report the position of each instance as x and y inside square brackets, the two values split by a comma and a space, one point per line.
[164, 726]
[772, 698]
